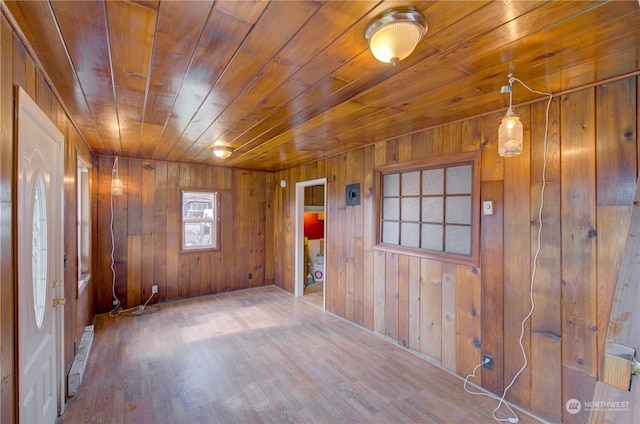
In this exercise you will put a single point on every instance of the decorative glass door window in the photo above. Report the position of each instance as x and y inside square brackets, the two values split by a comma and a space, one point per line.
[39, 252]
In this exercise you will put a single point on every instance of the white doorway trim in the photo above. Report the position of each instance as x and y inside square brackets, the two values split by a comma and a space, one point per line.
[299, 245]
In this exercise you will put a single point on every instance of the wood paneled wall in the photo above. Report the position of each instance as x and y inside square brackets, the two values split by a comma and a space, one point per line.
[147, 232]
[450, 314]
[17, 67]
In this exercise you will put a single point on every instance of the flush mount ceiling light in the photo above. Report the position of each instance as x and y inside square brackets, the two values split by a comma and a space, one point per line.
[510, 130]
[222, 152]
[394, 35]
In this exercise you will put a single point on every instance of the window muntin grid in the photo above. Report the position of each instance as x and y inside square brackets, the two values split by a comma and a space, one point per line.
[428, 208]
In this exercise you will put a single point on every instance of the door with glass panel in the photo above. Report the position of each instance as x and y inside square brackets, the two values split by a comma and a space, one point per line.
[40, 251]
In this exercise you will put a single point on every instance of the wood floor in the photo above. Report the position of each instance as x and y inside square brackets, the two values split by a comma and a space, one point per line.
[260, 356]
[314, 293]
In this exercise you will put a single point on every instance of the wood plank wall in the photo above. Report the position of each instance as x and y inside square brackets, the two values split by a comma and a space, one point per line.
[17, 67]
[450, 314]
[147, 235]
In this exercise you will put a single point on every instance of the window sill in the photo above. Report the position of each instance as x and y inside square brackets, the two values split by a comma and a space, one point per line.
[199, 250]
[428, 254]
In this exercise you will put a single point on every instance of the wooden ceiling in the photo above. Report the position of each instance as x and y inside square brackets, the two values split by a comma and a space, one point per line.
[290, 82]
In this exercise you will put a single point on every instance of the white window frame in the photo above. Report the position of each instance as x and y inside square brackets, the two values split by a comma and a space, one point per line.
[212, 222]
[83, 222]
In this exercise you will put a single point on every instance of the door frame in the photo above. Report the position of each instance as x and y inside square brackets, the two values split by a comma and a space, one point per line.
[299, 244]
[26, 105]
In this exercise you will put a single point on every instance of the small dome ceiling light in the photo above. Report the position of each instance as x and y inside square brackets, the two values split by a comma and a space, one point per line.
[222, 152]
[394, 35]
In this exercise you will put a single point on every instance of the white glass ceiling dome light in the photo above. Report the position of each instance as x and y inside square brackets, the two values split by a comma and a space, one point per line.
[394, 35]
[222, 152]
[510, 130]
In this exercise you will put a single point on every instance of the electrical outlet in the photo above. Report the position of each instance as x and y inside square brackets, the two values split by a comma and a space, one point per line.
[154, 289]
[250, 276]
[487, 364]
[115, 302]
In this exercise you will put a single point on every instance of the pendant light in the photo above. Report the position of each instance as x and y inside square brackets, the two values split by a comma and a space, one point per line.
[117, 188]
[393, 36]
[510, 130]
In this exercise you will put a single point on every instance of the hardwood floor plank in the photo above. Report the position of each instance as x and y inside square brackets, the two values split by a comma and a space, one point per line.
[260, 356]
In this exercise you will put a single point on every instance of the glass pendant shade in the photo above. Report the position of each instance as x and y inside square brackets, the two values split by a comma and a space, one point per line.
[510, 135]
[117, 188]
[395, 35]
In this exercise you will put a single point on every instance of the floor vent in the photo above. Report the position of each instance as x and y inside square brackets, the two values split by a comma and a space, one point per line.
[80, 361]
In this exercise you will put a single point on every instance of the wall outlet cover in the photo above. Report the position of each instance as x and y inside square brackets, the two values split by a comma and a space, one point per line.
[487, 365]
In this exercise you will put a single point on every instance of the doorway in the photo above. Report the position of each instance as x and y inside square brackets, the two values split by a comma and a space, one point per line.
[40, 265]
[309, 256]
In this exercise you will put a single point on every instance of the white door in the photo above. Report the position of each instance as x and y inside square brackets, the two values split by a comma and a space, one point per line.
[39, 264]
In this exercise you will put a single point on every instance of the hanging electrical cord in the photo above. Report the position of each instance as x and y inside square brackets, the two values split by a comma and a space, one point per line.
[501, 400]
[117, 190]
[117, 308]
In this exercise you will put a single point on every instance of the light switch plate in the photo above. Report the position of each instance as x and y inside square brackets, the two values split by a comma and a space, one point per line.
[487, 207]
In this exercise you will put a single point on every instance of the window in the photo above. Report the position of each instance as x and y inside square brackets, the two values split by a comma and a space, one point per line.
[83, 224]
[430, 208]
[39, 248]
[200, 220]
